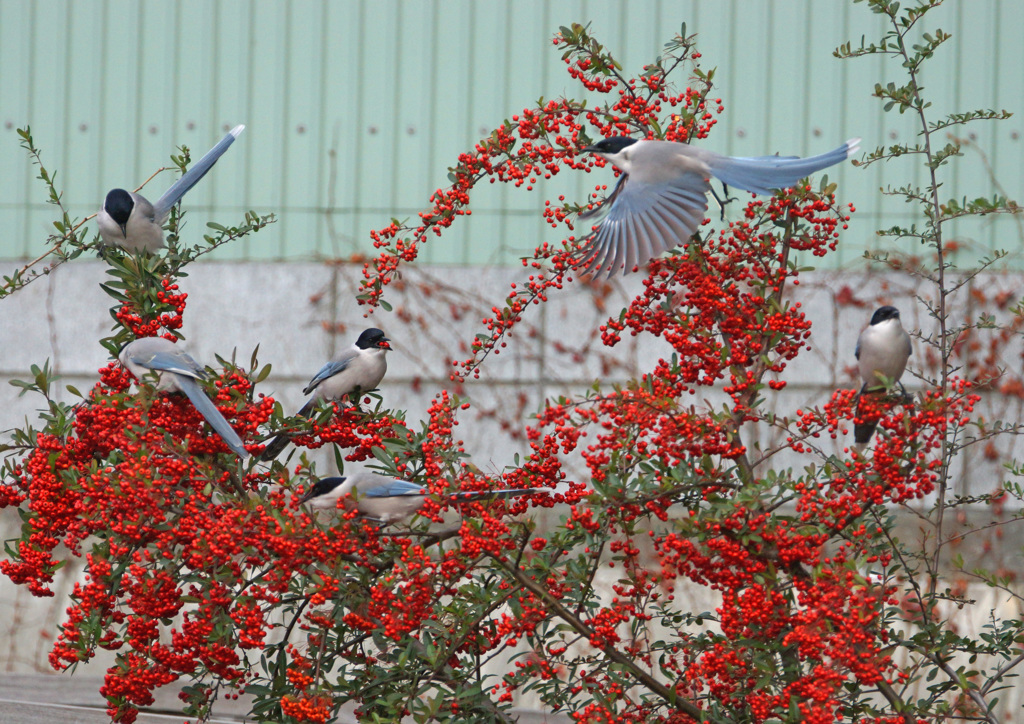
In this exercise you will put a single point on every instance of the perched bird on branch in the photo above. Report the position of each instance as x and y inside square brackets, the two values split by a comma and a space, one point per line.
[130, 221]
[386, 500]
[883, 349]
[353, 372]
[177, 371]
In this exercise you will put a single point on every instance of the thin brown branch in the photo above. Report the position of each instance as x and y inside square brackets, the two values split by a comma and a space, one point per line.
[627, 663]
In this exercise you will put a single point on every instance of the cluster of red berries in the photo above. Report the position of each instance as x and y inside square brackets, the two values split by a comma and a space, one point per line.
[151, 321]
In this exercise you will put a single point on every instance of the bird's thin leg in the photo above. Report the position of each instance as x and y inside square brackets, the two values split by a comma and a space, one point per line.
[352, 399]
[720, 202]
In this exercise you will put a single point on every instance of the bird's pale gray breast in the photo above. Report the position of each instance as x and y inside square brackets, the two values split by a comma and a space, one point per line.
[884, 349]
[364, 371]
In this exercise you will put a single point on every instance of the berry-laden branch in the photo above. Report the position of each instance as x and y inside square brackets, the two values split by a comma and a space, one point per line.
[542, 141]
[608, 648]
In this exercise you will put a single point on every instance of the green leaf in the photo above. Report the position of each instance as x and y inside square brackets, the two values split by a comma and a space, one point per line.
[263, 374]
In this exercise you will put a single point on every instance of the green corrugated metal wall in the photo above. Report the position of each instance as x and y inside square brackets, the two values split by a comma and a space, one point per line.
[398, 89]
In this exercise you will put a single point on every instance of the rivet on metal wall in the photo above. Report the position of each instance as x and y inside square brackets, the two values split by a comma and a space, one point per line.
[191, 125]
[83, 127]
[8, 125]
[816, 132]
[411, 130]
[153, 130]
[301, 128]
[372, 130]
[483, 131]
[972, 136]
[226, 127]
[893, 135]
[741, 133]
[1014, 135]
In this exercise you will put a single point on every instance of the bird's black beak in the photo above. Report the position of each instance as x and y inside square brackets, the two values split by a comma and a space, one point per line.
[383, 344]
[589, 149]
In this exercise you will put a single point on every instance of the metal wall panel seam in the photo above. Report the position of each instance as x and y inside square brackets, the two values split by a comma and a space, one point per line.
[215, 98]
[435, 63]
[996, 52]
[325, 146]
[396, 103]
[805, 106]
[471, 85]
[730, 80]
[357, 157]
[953, 169]
[506, 95]
[250, 93]
[769, 68]
[140, 163]
[26, 234]
[176, 119]
[65, 162]
[283, 219]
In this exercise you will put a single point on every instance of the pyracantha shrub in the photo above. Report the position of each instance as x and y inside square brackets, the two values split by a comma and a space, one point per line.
[204, 567]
